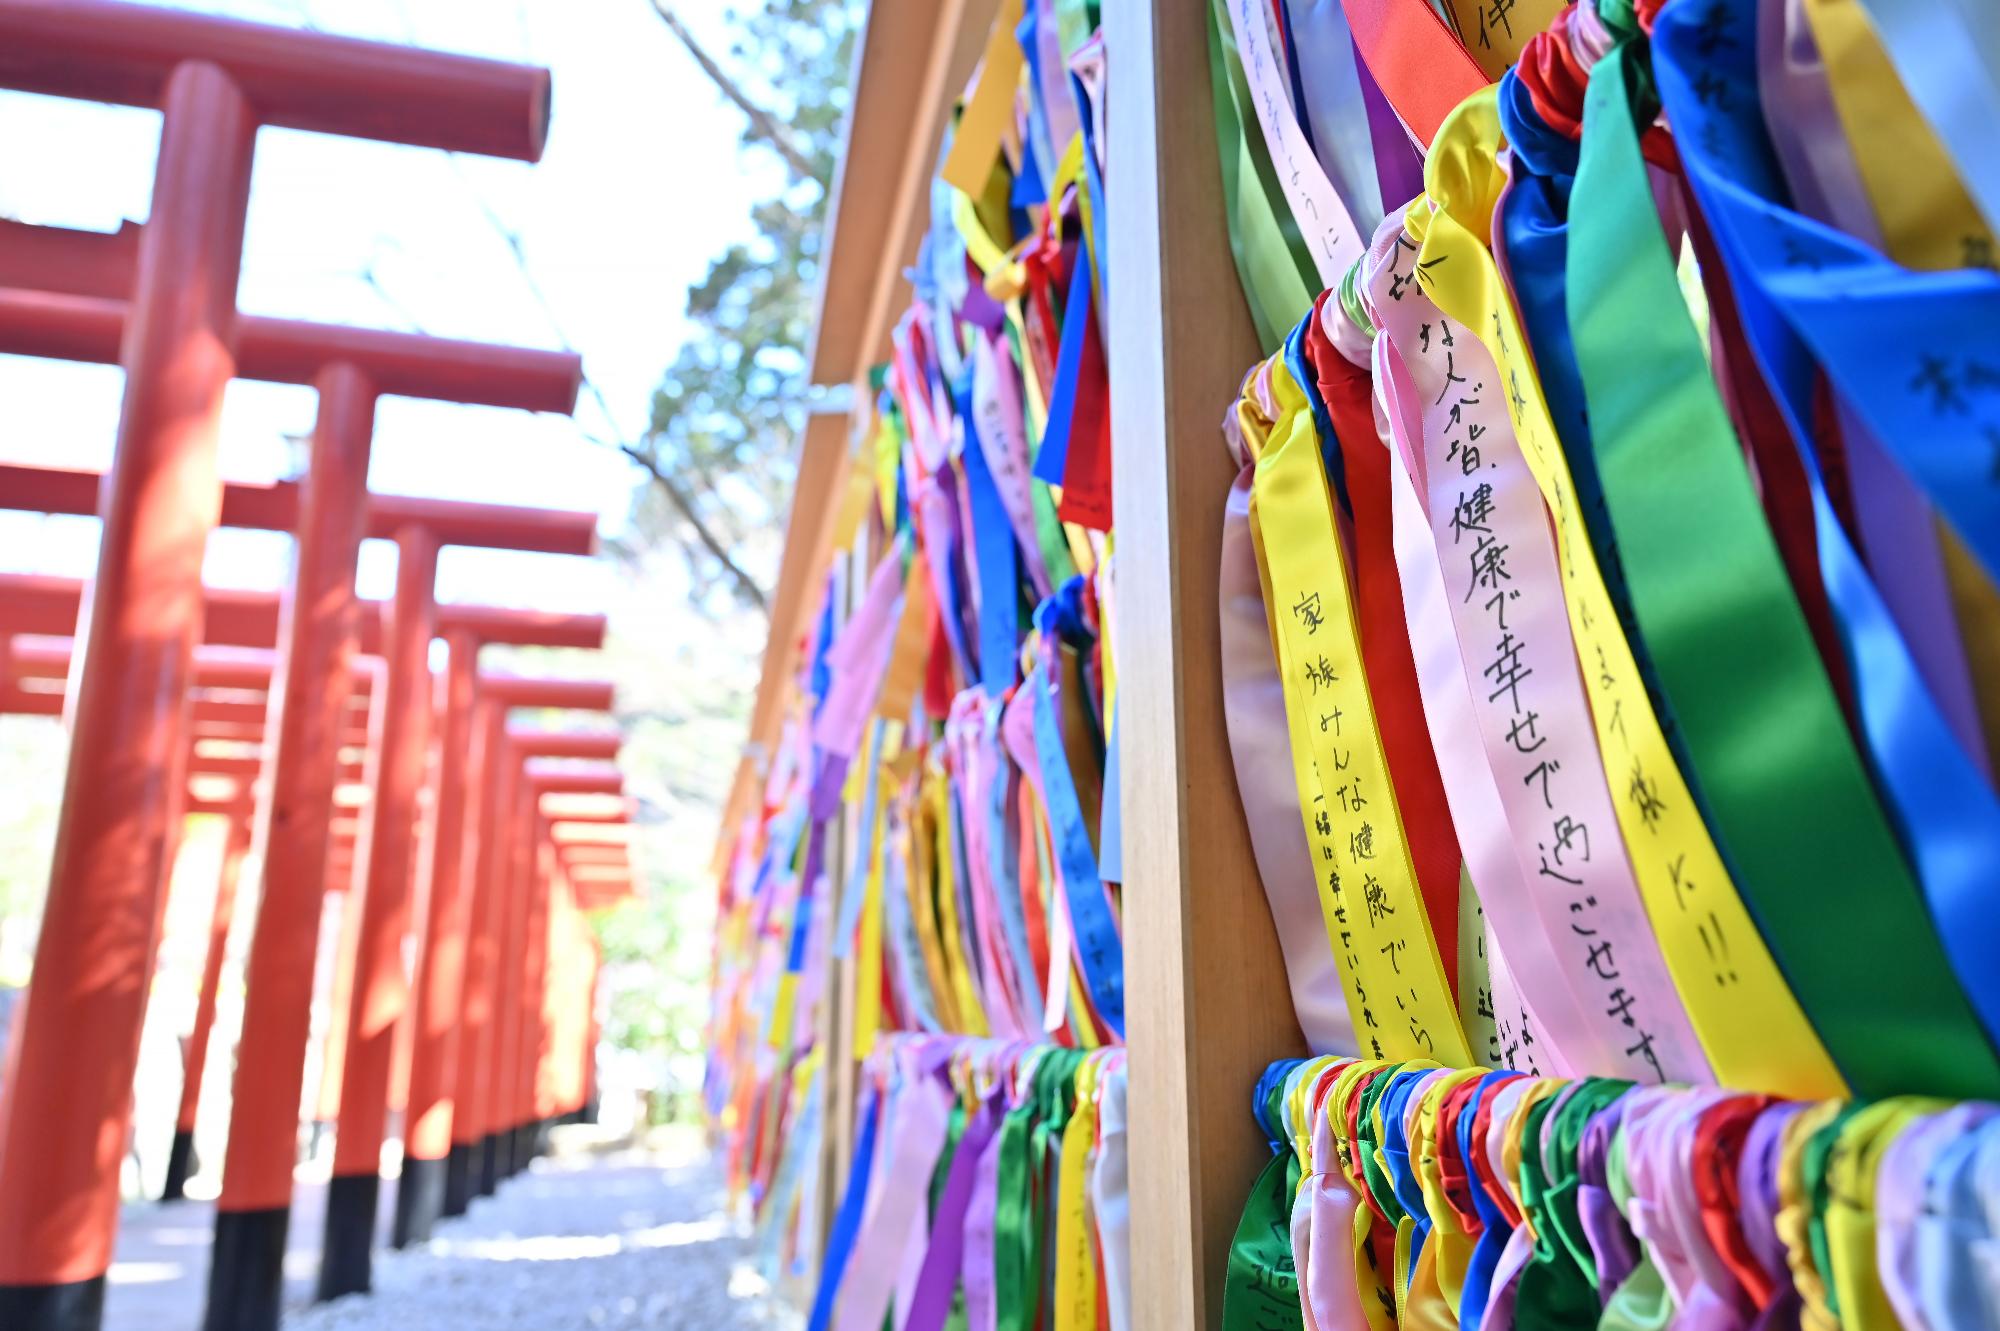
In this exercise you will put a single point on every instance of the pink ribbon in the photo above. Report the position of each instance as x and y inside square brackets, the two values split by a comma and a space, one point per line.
[1666, 1213]
[859, 658]
[1253, 695]
[1003, 442]
[893, 1221]
[1328, 1282]
[965, 738]
[1505, 601]
[1549, 1016]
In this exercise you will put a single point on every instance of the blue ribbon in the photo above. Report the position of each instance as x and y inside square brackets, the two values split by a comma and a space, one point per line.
[1087, 125]
[1101, 955]
[1302, 374]
[1943, 809]
[1260, 1103]
[1054, 455]
[820, 681]
[1916, 353]
[1494, 1229]
[1037, 163]
[1110, 819]
[847, 1221]
[999, 566]
[1396, 1159]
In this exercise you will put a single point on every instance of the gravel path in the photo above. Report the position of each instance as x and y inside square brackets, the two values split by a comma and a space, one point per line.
[633, 1239]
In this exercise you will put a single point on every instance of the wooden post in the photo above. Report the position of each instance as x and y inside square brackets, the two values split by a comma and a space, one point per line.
[1206, 1003]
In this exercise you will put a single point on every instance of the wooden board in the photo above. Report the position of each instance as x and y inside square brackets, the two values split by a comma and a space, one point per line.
[1206, 1002]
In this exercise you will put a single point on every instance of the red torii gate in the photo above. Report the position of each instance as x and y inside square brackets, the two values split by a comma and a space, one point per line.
[590, 840]
[438, 1028]
[471, 1164]
[43, 604]
[509, 1099]
[70, 1062]
[350, 368]
[87, 326]
[216, 81]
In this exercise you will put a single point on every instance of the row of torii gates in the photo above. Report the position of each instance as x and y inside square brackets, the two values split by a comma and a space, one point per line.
[311, 720]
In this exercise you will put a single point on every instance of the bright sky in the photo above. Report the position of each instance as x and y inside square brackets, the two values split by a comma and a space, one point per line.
[642, 183]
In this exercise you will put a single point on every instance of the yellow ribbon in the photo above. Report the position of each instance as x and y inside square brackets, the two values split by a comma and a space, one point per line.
[1397, 994]
[868, 949]
[990, 107]
[1076, 1265]
[888, 460]
[1850, 1214]
[965, 995]
[1439, 1279]
[1494, 33]
[1406, 1227]
[920, 888]
[1795, 1214]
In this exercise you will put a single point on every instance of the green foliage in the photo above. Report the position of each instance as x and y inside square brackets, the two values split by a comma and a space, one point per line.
[657, 965]
[728, 410]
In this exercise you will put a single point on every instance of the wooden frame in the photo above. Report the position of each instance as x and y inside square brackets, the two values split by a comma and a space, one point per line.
[913, 58]
[1207, 1006]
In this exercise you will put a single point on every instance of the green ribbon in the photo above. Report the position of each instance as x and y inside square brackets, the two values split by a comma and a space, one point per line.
[1770, 749]
[1556, 1290]
[1380, 1186]
[1272, 261]
[1260, 1290]
[1023, 1190]
[1564, 1139]
[1815, 1163]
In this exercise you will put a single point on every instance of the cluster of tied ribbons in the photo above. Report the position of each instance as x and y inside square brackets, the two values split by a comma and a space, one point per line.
[1404, 1194]
[1612, 557]
[937, 844]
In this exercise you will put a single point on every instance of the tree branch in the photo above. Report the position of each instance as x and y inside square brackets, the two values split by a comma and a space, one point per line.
[684, 504]
[765, 123]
